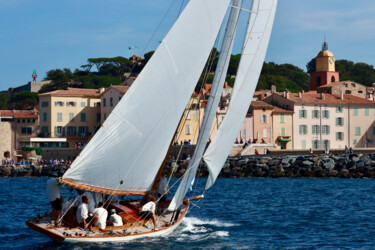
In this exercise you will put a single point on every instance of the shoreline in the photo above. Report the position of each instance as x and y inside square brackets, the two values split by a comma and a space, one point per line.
[265, 166]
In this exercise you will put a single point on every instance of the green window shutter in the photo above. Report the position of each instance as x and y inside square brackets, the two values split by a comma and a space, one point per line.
[300, 114]
[327, 114]
[337, 136]
[318, 114]
[313, 129]
[373, 130]
[300, 129]
[343, 136]
[303, 144]
[343, 121]
[337, 121]
[312, 114]
[337, 109]
[63, 131]
[328, 129]
[306, 130]
[318, 129]
[329, 144]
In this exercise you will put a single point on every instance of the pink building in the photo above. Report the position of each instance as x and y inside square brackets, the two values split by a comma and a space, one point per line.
[110, 98]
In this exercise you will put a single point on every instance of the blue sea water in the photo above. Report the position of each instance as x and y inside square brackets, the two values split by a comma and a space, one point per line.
[235, 214]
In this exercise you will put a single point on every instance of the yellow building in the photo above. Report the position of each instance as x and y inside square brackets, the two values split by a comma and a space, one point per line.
[282, 120]
[73, 114]
[188, 130]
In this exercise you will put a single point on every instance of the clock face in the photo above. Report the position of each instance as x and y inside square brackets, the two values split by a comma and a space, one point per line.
[331, 60]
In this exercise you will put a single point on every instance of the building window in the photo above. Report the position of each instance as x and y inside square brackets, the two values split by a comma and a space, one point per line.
[188, 115]
[59, 117]
[23, 120]
[315, 144]
[282, 118]
[340, 121]
[355, 111]
[326, 129]
[303, 113]
[264, 118]
[71, 131]
[44, 104]
[83, 104]
[44, 116]
[303, 144]
[59, 104]
[70, 104]
[26, 130]
[98, 117]
[333, 79]
[355, 141]
[339, 109]
[83, 117]
[282, 131]
[264, 133]
[111, 101]
[373, 130]
[303, 129]
[367, 111]
[96, 104]
[357, 130]
[325, 114]
[315, 129]
[326, 144]
[339, 136]
[187, 129]
[83, 131]
[45, 131]
[370, 141]
[315, 114]
[104, 102]
[71, 117]
[18, 120]
[58, 131]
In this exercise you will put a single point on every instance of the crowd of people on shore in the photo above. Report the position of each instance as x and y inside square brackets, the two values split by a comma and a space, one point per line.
[22, 162]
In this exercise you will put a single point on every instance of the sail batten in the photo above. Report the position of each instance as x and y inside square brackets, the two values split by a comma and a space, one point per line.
[253, 54]
[136, 137]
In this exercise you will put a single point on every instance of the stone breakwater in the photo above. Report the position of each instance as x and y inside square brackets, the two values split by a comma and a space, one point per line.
[268, 166]
[295, 166]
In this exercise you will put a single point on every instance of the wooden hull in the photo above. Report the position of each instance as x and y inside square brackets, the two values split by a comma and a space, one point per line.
[72, 235]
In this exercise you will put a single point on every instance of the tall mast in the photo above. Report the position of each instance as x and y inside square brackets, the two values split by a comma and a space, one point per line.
[212, 104]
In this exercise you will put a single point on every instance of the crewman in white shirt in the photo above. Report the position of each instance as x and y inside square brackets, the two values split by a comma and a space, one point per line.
[82, 214]
[90, 201]
[148, 211]
[101, 215]
[115, 219]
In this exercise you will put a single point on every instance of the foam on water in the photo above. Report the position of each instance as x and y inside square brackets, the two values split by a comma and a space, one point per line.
[214, 222]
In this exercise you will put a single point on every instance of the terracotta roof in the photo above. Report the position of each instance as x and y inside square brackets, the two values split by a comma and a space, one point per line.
[73, 92]
[332, 84]
[260, 105]
[329, 99]
[207, 87]
[121, 88]
[19, 113]
[281, 110]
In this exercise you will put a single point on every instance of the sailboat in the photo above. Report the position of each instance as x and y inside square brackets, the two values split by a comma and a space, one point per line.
[126, 157]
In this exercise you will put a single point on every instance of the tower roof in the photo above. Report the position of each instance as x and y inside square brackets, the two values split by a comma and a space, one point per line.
[325, 51]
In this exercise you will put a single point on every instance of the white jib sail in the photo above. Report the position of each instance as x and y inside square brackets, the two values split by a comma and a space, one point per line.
[132, 143]
[254, 50]
[212, 104]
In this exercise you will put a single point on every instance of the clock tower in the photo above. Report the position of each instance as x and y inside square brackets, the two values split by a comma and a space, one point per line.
[325, 69]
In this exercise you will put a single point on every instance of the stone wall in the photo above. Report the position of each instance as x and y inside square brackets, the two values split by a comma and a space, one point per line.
[68, 154]
[5, 139]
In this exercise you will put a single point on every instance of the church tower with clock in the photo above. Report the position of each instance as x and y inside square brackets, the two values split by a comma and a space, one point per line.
[325, 69]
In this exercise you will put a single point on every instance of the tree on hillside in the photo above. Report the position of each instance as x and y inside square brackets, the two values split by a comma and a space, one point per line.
[24, 100]
[311, 66]
[4, 99]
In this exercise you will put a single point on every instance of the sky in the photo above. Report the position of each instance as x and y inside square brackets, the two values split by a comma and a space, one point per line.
[45, 35]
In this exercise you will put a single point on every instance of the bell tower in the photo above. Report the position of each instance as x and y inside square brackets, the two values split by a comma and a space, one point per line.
[325, 68]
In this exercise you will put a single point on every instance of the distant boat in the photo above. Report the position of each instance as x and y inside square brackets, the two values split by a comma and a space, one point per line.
[126, 157]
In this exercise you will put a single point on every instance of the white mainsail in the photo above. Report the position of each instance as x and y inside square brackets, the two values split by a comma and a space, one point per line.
[126, 153]
[254, 50]
[212, 104]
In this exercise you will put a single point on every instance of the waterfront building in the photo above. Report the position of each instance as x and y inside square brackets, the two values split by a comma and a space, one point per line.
[71, 116]
[282, 128]
[110, 98]
[328, 121]
[188, 129]
[16, 129]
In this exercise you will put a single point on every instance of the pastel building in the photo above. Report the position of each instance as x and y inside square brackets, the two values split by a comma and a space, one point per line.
[189, 126]
[110, 98]
[69, 116]
[282, 128]
[18, 127]
[327, 121]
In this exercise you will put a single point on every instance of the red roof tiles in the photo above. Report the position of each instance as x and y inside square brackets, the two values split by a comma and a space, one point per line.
[19, 113]
[73, 92]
